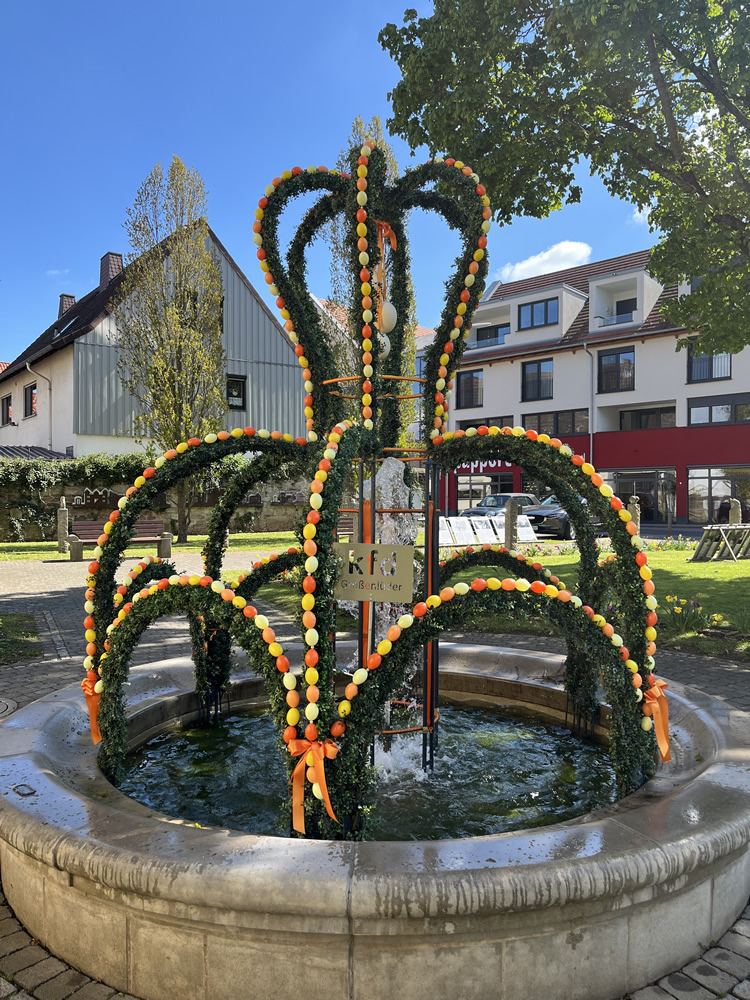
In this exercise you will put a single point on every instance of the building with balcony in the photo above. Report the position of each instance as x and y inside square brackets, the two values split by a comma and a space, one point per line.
[586, 355]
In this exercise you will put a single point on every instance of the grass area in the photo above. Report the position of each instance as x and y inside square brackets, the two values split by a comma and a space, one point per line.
[714, 619]
[272, 541]
[18, 638]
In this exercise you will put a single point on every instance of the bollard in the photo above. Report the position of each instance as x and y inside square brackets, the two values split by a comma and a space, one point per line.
[62, 527]
[511, 524]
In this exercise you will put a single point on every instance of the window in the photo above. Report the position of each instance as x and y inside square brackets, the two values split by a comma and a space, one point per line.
[624, 309]
[709, 492]
[536, 380]
[490, 336]
[708, 367]
[236, 385]
[557, 423]
[719, 409]
[7, 410]
[464, 425]
[469, 389]
[646, 420]
[542, 313]
[29, 400]
[617, 370]
[419, 367]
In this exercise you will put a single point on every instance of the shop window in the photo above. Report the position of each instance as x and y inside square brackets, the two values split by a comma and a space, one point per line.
[469, 390]
[617, 370]
[708, 367]
[710, 490]
[236, 392]
[541, 313]
[536, 380]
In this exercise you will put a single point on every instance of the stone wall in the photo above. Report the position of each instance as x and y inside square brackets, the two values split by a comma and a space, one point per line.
[274, 507]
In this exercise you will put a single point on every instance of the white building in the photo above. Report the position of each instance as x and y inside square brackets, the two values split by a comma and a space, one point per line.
[586, 355]
[62, 394]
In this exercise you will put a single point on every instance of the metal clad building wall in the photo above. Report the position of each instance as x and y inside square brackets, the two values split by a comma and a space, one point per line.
[257, 349]
[255, 346]
[101, 404]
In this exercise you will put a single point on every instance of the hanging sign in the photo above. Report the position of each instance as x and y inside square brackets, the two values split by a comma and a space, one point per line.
[374, 572]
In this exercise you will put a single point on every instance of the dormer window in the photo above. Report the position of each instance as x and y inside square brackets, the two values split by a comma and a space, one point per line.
[535, 314]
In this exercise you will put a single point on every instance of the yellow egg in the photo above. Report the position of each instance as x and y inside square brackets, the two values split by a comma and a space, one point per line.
[311, 676]
[292, 717]
[345, 708]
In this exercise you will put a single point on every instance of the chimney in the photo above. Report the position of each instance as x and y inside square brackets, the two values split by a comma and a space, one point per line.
[109, 267]
[66, 301]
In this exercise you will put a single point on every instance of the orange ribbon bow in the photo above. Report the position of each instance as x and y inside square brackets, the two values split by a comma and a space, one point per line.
[92, 703]
[655, 705]
[384, 233]
[319, 752]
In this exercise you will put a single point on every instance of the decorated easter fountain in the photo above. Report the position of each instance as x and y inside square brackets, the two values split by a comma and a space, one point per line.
[160, 907]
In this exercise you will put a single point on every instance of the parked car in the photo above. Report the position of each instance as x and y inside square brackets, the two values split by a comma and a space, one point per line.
[554, 518]
[494, 503]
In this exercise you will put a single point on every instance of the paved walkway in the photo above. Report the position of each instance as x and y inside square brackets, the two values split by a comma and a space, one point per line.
[53, 592]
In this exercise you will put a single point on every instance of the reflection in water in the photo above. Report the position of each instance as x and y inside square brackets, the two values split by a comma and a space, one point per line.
[493, 773]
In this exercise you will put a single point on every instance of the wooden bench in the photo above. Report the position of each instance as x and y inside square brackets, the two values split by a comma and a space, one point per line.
[347, 527]
[723, 541]
[88, 532]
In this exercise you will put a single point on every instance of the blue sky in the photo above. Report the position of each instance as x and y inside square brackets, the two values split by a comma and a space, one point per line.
[96, 94]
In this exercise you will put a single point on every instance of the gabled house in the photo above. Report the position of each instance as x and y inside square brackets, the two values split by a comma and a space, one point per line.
[63, 393]
[586, 355]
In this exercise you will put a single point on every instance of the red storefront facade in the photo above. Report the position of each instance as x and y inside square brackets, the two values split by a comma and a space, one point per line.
[690, 469]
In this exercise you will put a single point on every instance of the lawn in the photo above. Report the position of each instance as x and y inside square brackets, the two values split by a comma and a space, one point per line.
[271, 541]
[720, 588]
[18, 638]
[707, 590]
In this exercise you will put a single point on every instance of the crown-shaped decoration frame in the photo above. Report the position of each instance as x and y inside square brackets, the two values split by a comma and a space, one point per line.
[326, 718]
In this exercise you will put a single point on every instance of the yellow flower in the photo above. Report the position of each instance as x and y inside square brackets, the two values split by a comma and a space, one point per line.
[678, 611]
[683, 603]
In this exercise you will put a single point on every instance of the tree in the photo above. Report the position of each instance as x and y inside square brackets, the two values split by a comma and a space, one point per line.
[654, 93]
[348, 351]
[168, 312]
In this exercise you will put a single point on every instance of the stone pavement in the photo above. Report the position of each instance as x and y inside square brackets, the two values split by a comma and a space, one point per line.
[53, 592]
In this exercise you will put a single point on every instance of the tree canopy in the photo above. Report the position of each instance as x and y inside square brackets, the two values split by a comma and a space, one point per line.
[168, 313]
[655, 94]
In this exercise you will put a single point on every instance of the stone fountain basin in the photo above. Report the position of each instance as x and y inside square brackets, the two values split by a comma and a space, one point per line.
[591, 908]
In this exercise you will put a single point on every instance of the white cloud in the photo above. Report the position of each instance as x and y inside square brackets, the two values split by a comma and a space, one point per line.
[58, 272]
[558, 257]
[640, 216]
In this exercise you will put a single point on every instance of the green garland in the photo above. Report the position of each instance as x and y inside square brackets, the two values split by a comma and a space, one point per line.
[218, 614]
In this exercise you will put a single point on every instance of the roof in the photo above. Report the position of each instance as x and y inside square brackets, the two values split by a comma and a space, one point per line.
[577, 277]
[30, 452]
[90, 310]
[4, 365]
